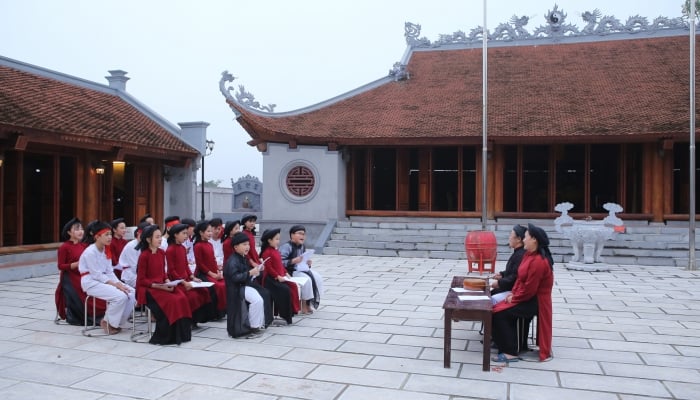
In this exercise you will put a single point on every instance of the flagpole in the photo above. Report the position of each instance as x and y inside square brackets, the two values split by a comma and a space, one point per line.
[691, 206]
[484, 149]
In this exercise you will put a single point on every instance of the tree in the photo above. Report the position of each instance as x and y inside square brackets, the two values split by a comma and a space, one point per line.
[213, 183]
[686, 8]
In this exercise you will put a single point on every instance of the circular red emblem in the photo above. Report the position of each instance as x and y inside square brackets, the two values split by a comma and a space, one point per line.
[300, 181]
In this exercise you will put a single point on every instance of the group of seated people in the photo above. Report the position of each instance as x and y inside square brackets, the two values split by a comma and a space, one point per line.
[189, 273]
[520, 292]
[185, 273]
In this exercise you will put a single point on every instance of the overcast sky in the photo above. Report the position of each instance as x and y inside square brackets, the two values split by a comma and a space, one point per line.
[290, 53]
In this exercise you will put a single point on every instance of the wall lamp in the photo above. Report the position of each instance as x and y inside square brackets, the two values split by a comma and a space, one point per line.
[2, 158]
[99, 168]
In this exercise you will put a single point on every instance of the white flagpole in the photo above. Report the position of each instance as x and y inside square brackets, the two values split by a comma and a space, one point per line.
[484, 149]
[691, 206]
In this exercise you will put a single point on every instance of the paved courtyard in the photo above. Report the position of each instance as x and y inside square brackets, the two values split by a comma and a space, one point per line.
[632, 333]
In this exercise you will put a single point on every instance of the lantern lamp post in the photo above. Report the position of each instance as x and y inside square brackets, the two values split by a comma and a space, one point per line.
[209, 147]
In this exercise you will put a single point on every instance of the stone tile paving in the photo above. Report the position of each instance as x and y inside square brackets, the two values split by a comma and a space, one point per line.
[629, 334]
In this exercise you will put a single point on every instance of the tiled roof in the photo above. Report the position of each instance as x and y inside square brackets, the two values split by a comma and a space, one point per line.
[32, 103]
[621, 90]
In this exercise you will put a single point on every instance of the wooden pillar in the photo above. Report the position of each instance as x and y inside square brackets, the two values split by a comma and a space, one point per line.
[369, 160]
[350, 180]
[2, 201]
[106, 187]
[654, 186]
[53, 212]
[157, 188]
[19, 205]
[91, 193]
[491, 183]
[402, 179]
[424, 179]
[497, 168]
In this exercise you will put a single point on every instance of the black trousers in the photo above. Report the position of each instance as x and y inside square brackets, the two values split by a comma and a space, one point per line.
[505, 325]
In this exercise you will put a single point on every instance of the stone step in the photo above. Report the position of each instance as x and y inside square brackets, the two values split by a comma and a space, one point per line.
[642, 243]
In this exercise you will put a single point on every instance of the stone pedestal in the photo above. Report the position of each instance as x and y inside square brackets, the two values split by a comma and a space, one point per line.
[587, 236]
[592, 267]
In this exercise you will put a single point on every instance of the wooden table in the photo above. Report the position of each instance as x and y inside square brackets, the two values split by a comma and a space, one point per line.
[470, 310]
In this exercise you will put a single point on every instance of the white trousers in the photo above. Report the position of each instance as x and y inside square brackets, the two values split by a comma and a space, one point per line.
[307, 290]
[129, 276]
[256, 307]
[119, 304]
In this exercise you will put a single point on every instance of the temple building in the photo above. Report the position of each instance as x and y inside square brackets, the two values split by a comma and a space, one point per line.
[584, 114]
[72, 147]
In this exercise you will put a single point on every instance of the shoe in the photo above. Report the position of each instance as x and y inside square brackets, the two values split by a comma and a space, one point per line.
[254, 333]
[503, 358]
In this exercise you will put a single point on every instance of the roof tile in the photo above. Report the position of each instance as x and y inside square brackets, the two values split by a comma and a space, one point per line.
[36, 102]
[615, 88]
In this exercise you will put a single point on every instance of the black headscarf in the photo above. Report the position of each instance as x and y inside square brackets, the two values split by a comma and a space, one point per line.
[239, 238]
[67, 227]
[296, 228]
[115, 222]
[174, 230]
[201, 227]
[145, 235]
[542, 242]
[519, 231]
[248, 217]
[227, 229]
[267, 235]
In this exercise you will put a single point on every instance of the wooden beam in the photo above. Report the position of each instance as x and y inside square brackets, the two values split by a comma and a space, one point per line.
[121, 152]
[21, 143]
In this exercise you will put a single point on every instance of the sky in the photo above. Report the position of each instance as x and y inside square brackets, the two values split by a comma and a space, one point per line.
[289, 53]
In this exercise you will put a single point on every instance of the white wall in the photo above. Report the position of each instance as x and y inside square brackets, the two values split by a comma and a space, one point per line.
[216, 200]
[328, 199]
[178, 193]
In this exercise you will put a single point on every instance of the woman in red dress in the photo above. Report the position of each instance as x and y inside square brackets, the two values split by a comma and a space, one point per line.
[284, 293]
[117, 244]
[70, 297]
[531, 295]
[207, 268]
[201, 305]
[231, 228]
[248, 223]
[168, 304]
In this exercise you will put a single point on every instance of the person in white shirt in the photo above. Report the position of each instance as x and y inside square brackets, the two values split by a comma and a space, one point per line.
[169, 221]
[189, 242]
[129, 258]
[217, 227]
[292, 254]
[98, 280]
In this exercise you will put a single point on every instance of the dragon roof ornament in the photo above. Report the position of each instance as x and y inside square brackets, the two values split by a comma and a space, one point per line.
[556, 27]
[242, 97]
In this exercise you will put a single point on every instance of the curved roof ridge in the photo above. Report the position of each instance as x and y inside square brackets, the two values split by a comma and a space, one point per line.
[555, 28]
[247, 102]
